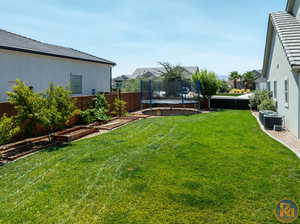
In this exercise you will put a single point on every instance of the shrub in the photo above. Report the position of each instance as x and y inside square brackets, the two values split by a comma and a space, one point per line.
[8, 129]
[74, 118]
[30, 108]
[223, 86]
[59, 106]
[119, 107]
[267, 104]
[88, 116]
[258, 97]
[40, 111]
[99, 113]
[101, 108]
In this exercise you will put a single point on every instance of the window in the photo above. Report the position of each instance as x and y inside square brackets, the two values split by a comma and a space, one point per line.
[286, 91]
[76, 84]
[268, 86]
[275, 90]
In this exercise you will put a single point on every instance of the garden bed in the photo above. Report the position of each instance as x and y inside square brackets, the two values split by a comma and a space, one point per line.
[114, 123]
[20, 149]
[73, 133]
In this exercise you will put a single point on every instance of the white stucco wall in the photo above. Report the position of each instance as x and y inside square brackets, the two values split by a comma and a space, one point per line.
[296, 11]
[39, 71]
[279, 69]
[261, 85]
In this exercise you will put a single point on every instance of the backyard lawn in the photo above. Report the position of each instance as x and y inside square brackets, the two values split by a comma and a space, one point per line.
[207, 168]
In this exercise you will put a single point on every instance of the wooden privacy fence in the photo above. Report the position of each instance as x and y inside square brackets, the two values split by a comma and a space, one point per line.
[84, 102]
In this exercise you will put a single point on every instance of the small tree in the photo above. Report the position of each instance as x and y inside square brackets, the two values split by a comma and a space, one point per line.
[119, 107]
[171, 72]
[172, 76]
[208, 84]
[234, 76]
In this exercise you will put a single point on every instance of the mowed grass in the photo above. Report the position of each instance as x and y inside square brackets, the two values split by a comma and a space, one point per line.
[207, 168]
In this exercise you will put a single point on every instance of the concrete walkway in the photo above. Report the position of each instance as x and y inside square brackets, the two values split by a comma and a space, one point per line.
[284, 137]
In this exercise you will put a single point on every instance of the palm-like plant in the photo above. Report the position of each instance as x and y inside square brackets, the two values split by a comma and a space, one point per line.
[248, 77]
[234, 76]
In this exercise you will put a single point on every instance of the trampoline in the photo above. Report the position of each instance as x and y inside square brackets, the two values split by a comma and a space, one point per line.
[169, 101]
[169, 93]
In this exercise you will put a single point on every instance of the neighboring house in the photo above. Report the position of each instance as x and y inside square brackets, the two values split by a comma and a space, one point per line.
[149, 73]
[260, 80]
[38, 64]
[119, 79]
[239, 84]
[282, 63]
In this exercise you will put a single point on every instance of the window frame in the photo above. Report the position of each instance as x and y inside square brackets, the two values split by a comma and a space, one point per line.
[286, 92]
[80, 86]
[275, 89]
[268, 85]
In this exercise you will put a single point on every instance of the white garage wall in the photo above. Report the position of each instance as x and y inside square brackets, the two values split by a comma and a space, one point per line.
[39, 71]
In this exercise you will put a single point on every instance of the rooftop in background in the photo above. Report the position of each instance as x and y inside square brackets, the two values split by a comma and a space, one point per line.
[12, 41]
[156, 71]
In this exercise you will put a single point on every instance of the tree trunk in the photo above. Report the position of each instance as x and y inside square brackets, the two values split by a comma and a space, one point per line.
[234, 83]
[209, 103]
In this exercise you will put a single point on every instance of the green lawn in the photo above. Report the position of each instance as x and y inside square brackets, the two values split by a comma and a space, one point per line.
[207, 168]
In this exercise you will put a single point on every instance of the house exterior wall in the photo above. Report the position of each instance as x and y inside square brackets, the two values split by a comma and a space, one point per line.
[261, 85]
[39, 71]
[279, 69]
[296, 11]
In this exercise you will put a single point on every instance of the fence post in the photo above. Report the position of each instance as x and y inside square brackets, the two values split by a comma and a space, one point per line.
[150, 92]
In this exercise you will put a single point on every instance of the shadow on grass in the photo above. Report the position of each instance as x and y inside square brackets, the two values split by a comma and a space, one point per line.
[57, 147]
[218, 200]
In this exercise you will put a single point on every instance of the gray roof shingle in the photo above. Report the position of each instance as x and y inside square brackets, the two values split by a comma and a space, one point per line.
[288, 29]
[17, 42]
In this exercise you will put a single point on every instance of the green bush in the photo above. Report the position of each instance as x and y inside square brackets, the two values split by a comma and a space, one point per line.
[59, 106]
[119, 107]
[101, 108]
[8, 129]
[88, 116]
[267, 104]
[99, 113]
[49, 110]
[223, 86]
[258, 97]
[30, 107]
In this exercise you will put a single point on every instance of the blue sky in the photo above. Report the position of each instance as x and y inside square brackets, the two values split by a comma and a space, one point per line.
[139, 33]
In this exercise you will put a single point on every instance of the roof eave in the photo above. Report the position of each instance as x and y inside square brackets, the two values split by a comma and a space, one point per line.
[296, 68]
[290, 5]
[56, 55]
[267, 46]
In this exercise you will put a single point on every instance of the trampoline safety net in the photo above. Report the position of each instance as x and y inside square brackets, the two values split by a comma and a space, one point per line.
[169, 92]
